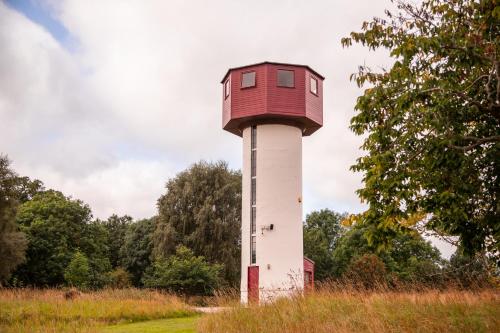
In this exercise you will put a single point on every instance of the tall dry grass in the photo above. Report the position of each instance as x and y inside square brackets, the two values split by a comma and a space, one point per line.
[35, 310]
[368, 311]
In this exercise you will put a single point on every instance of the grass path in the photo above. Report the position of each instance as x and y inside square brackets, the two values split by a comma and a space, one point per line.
[174, 325]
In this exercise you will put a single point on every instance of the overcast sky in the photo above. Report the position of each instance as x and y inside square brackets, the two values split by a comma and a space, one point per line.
[106, 100]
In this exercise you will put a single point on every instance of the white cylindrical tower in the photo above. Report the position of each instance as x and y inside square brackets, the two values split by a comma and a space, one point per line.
[272, 210]
[272, 106]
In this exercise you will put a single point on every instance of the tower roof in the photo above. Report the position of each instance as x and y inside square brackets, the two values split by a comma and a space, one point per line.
[271, 63]
[272, 92]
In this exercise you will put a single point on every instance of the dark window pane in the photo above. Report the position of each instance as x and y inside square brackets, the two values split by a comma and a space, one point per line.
[285, 78]
[248, 79]
[253, 250]
[253, 220]
[254, 163]
[314, 86]
[253, 139]
[226, 88]
[253, 193]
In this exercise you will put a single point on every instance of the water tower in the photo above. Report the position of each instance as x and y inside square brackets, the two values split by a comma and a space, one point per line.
[272, 106]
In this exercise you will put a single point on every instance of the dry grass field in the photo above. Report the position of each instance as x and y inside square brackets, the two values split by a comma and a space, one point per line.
[335, 311]
[47, 311]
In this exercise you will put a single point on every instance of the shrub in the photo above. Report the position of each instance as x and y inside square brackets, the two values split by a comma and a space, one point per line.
[368, 271]
[184, 273]
[78, 272]
[119, 278]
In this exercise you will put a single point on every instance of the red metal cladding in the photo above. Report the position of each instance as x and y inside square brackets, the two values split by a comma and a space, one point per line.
[253, 284]
[266, 102]
[308, 274]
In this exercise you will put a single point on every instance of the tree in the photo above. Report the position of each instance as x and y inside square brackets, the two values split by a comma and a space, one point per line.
[202, 210]
[26, 188]
[351, 246]
[414, 259]
[116, 227]
[184, 273]
[12, 242]
[56, 227]
[470, 272]
[94, 243]
[137, 248]
[431, 122]
[78, 272]
[322, 230]
[409, 257]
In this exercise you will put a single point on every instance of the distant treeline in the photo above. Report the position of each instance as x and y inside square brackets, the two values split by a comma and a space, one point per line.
[343, 255]
[48, 239]
[192, 245]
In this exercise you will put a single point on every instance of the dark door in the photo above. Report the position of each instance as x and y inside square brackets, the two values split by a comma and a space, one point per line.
[308, 282]
[253, 284]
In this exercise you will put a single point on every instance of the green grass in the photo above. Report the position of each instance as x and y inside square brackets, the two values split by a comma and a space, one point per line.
[176, 325]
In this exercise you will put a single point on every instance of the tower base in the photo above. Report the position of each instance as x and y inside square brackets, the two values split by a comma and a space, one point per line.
[272, 264]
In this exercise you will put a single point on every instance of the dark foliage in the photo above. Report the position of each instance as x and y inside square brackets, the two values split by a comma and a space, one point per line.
[409, 258]
[367, 272]
[322, 230]
[56, 227]
[202, 210]
[116, 228]
[12, 241]
[137, 248]
[184, 273]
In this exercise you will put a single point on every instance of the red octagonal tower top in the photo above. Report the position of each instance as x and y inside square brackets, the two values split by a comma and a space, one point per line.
[271, 92]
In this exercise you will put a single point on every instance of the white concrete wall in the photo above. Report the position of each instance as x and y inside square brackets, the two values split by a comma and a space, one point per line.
[279, 195]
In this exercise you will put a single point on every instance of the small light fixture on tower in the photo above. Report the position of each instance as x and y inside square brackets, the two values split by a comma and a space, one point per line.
[269, 227]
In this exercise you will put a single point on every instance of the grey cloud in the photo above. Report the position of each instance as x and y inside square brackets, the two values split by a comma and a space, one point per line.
[147, 74]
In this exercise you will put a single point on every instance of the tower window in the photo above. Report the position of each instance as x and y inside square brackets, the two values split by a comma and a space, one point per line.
[254, 137]
[314, 86]
[248, 79]
[226, 88]
[286, 78]
[253, 163]
[253, 252]
[253, 227]
[254, 190]
[253, 194]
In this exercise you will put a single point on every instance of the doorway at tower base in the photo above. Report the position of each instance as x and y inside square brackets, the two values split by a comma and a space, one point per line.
[265, 295]
[297, 284]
